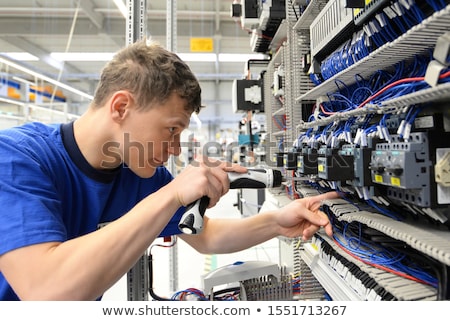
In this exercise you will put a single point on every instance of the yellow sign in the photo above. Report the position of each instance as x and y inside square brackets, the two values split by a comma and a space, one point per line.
[358, 10]
[395, 181]
[202, 45]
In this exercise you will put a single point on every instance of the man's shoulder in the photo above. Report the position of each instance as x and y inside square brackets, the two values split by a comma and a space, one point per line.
[30, 140]
[30, 131]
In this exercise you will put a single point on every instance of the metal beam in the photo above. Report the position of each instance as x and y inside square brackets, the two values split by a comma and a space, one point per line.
[88, 7]
[32, 12]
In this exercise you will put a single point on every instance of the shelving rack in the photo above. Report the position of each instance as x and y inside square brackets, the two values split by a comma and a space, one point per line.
[24, 99]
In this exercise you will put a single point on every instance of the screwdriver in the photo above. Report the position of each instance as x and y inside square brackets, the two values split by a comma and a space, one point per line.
[192, 220]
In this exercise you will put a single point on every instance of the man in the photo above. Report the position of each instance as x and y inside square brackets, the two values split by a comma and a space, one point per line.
[59, 182]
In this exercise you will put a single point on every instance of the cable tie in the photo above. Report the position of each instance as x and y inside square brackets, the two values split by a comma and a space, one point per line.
[389, 12]
[405, 4]
[363, 139]
[407, 131]
[380, 132]
[401, 127]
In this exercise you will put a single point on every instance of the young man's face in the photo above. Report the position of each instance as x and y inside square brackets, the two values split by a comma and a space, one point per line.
[150, 137]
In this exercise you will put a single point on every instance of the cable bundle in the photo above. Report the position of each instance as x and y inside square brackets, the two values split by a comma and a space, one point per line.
[386, 26]
[382, 86]
[353, 238]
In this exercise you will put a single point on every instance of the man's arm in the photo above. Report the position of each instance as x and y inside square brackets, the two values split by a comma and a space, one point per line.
[300, 218]
[84, 267]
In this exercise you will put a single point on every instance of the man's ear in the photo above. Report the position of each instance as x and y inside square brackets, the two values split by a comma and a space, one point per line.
[120, 104]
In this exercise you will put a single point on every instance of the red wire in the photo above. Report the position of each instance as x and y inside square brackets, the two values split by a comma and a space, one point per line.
[381, 267]
[327, 112]
[395, 83]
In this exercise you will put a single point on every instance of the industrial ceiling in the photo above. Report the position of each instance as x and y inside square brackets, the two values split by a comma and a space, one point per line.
[45, 27]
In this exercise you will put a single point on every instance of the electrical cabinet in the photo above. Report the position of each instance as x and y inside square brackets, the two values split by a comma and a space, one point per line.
[365, 110]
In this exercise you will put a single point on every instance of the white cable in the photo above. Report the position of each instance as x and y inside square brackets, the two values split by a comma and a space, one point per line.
[69, 41]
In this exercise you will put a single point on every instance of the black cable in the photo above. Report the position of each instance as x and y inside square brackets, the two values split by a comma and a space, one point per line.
[150, 281]
[445, 283]
[434, 265]
[225, 291]
[295, 11]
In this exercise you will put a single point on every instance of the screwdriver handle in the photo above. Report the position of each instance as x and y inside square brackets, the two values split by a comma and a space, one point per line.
[192, 220]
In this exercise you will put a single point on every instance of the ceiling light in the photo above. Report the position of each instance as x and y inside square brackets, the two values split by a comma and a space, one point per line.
[20, 56]
[23, 81]
[222, 57]
[107, 56]
[193, 57]
[229, 57]
[82, 56]
[45, 78]
[121, 6]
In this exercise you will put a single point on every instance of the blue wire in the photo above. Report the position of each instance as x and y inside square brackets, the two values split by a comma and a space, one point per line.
[380, 255]
[435, 6]
[383, 211]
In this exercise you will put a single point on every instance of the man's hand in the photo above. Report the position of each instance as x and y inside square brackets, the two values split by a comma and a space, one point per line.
[303, 218]
[204, 177]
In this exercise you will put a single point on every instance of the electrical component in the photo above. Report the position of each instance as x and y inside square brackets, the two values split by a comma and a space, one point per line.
[406, 169]
[307, 161]
[278, 82]
[290, 160]
[401, 164]
[441, 55]
[332, 21]
[236, 10]
[263, 18]
[442, 176]
[254, 280]
[249, 13]
[442, 168]
[279, 159]
[367, 11]
[333, 166]
[247, 95]
[361, 157]
[404, 166]
[354, 3]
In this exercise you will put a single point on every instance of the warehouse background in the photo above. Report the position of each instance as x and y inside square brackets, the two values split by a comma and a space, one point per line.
[355, 97]
[70, 41]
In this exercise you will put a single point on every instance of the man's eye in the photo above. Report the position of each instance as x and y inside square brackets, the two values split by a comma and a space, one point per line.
[171, 130]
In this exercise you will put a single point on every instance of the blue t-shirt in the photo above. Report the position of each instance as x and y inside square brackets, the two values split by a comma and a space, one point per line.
[49, 192]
